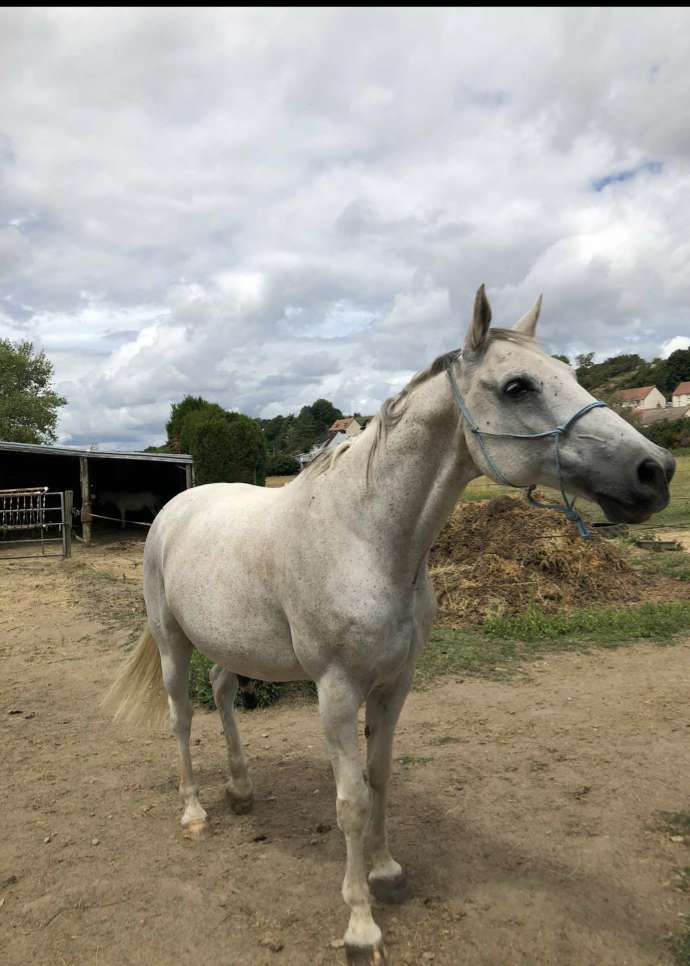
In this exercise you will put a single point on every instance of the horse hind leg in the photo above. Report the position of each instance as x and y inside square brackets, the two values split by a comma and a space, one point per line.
[176, 651]
[238, 790]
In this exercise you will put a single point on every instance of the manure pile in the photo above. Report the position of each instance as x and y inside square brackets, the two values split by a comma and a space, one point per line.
[499, 557]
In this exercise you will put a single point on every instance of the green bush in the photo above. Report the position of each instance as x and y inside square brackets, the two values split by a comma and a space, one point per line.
[673, 434]
[282, 464]
[257, 694]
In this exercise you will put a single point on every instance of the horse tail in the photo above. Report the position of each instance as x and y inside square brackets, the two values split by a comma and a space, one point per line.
[137, 695]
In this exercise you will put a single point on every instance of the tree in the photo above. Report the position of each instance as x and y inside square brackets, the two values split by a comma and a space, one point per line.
[677, 370]
[282, 465]
[227, 447]
[325, 414]
[562, 359]
[585, 360]
[28, 404]
[178, 414]
[303, 433]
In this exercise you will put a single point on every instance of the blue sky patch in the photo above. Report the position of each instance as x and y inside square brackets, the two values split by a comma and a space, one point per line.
[654, 167]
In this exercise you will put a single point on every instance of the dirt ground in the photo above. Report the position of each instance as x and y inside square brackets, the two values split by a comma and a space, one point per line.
[525, 812]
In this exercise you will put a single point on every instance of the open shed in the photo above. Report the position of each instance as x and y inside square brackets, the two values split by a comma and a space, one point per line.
[84, 471]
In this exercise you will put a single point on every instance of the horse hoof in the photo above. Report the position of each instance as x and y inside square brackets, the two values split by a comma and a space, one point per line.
[198, 829]
[365, 955]
[389, 889]
[240, 804]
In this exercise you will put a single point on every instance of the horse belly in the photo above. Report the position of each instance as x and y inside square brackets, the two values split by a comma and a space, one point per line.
[250, 638]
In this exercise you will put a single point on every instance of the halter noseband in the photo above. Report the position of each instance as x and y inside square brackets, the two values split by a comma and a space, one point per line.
[568, 506]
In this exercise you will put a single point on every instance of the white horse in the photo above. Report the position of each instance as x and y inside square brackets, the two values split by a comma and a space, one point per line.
[326, 579]
[124, 501]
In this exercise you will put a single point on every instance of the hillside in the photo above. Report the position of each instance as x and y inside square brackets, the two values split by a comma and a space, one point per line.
[630, 370]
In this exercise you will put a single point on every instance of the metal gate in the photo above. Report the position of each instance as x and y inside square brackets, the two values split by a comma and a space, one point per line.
[35, 519]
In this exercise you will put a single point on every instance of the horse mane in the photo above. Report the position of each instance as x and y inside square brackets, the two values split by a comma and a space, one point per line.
[393, 409]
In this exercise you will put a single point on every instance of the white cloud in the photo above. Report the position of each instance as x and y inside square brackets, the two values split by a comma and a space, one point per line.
[677, 342]
[266, 206]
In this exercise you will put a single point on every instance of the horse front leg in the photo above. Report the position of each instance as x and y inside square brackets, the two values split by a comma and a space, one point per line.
[384, 705]
[339, 702]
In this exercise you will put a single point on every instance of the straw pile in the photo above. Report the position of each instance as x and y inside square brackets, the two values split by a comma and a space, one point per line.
[499, 557]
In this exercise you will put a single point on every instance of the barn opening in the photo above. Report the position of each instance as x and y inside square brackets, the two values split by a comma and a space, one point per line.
[90, 473]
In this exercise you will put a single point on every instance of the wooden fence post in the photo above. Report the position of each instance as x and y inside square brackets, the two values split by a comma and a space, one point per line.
[67, 523]
[85, 499]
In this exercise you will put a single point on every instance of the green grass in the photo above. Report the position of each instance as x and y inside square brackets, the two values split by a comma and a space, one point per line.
[680, 946]
[675, 823]
[645, 621]
[666, 563]
[495, 648]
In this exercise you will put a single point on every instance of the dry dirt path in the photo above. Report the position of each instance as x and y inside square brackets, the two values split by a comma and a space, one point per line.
[524, 811]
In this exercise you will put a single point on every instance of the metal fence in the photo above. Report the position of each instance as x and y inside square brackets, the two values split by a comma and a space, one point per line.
[36, 520]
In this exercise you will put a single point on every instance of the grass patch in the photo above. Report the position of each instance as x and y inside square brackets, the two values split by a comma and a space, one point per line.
[494, 649]
[680, 946]
[668, 563]
[676, 823]
[199, 684]
[604, 626]
[408, 760]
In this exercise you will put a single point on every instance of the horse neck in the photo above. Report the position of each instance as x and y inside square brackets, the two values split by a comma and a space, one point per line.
[417, 476]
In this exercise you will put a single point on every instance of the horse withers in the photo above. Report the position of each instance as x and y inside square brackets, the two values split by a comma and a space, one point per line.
[326, 579]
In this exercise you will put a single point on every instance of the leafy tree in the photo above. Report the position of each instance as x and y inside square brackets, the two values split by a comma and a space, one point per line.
[672, 434]
[247, 449]
[677, 369]
[227, 447]
[28, 404]
[281, 465]
[585, 360]
[303, 433]
[563, 359]
[325, 414]
[179, 413]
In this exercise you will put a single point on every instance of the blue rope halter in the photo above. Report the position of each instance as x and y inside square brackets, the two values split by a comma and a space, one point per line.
[568, 506]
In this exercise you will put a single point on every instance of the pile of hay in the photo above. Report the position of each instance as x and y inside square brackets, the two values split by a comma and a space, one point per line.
[499, 557]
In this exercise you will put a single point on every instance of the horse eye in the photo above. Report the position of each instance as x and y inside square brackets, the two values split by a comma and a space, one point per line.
[516, 388]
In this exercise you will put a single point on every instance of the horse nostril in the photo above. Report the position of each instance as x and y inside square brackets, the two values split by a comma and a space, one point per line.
[651, 473]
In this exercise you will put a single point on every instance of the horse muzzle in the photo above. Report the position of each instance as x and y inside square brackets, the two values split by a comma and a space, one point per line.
[646, 493]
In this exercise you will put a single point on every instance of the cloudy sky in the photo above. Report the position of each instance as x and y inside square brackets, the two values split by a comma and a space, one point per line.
[267, 206]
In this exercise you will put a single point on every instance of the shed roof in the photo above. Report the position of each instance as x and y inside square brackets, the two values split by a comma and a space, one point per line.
[95, 453]
[640, 393]
[340, 425]
[682, 389]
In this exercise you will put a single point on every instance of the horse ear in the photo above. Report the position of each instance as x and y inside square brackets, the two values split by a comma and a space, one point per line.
[528, 323]
[481, 320]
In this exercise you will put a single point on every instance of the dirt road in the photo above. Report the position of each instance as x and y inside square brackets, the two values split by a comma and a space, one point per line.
[526, 812]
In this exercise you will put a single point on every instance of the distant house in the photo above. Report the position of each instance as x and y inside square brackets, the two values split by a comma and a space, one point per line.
[341, 430]
[681, 394]
[644, 397]
[347, 425]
